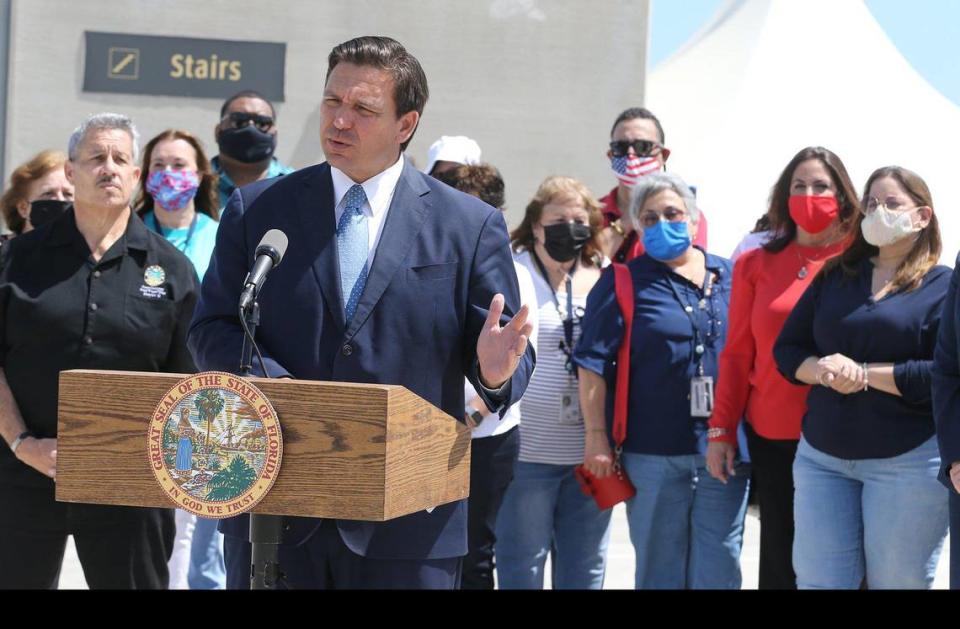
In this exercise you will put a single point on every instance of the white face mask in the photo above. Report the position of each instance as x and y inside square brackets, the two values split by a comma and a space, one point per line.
[884, 227]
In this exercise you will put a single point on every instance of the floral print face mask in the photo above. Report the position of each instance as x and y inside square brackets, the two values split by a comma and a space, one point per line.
[172, 190]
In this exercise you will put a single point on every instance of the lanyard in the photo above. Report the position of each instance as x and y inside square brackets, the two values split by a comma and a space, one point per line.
[193, 226]
[699, 348]
[566, 346]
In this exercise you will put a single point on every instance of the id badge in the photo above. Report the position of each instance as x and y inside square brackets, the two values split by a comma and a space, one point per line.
[701, 396]
[570, 414]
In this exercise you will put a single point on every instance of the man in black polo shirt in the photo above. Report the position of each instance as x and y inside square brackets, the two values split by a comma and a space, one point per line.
[93, 289]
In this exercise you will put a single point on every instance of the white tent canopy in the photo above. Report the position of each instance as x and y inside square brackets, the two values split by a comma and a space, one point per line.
[768, 77]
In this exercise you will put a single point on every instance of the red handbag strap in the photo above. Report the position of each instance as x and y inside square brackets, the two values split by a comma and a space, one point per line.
[623, 286]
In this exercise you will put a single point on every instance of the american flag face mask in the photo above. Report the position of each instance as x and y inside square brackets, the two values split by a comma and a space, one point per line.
[630, 168]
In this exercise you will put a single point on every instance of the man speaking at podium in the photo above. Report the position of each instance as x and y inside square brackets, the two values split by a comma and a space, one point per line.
[390, 277]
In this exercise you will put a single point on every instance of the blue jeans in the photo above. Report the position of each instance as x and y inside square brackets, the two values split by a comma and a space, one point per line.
[883, 520]
[207, 571]
[543, 511]
[686, 527]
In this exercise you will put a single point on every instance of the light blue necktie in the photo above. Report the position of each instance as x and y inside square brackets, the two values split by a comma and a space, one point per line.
[353, 247]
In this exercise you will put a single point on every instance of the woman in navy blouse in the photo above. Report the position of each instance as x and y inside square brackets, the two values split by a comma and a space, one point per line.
[868, 508]
[686, 526]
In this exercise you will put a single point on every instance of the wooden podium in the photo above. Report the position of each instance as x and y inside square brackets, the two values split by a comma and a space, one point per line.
[350, 451]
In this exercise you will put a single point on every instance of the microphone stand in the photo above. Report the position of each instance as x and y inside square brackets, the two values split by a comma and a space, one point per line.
[265, 530]
[251, 317]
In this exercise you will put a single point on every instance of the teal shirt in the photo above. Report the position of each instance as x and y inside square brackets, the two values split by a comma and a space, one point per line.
[200, 246]
[227, 186]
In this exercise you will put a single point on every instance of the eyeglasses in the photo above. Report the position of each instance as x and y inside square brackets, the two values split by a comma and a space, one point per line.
[891, 205]
[240, 119]
[671, 215]
[641, 148]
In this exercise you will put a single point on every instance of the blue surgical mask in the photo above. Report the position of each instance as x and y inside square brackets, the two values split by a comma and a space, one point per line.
[666, 241]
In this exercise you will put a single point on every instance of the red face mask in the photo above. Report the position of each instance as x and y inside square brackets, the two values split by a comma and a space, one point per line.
[813, 214]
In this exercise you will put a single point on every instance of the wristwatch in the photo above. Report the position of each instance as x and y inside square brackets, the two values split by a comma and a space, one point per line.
[16, 442]
[474, 414]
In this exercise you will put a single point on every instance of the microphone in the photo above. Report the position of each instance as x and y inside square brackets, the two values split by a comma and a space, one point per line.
[268, 255]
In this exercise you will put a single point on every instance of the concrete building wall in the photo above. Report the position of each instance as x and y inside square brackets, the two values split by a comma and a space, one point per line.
[4, 46]
[536, 82]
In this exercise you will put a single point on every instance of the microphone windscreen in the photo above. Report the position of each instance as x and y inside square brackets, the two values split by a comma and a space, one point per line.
[273, 242]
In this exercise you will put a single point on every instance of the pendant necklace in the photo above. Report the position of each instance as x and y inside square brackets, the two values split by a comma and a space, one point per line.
[804, 261]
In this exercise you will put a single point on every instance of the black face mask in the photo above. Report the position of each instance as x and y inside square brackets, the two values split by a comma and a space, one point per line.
[563, 241]
[47, 210]
[247, 144]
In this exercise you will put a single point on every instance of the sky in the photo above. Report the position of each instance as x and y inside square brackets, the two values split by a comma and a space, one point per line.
[927, 33]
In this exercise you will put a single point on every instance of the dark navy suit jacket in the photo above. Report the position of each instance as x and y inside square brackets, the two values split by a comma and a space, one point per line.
[441, 258]
[946, 381]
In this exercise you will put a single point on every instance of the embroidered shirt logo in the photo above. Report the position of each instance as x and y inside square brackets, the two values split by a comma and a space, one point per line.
[153, 292]
[154, 275]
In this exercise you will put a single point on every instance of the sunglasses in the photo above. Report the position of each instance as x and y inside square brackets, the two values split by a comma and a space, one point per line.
[641, 148]
[239, 119]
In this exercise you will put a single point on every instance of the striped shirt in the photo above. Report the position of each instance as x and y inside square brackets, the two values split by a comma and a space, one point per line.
[543, 438]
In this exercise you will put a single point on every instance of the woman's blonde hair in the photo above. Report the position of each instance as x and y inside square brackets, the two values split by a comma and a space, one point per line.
[552, 189]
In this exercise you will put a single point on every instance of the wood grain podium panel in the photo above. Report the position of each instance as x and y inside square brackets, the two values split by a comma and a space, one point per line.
[351, 451]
